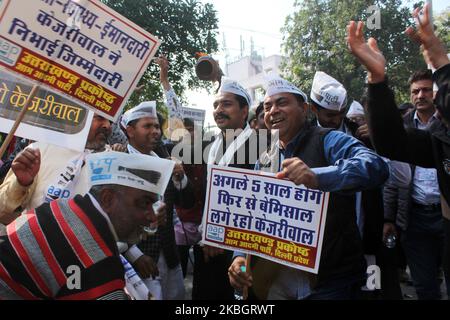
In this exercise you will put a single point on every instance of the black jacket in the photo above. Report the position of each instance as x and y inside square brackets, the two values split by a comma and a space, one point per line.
[428, 149]
[397, 201]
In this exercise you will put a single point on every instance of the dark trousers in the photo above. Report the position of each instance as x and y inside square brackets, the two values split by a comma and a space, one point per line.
[348, 288]
[423, 243]
[388, 261]
[211, 278]
[183, 252]
[446, 262]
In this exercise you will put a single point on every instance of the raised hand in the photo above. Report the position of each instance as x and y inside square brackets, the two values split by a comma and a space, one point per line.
[367, 53]
[164, 71]
[432, 48]
[26, 166]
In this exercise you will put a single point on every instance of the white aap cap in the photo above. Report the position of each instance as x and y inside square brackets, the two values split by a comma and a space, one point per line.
[274, 84]
[144, 109]
[231, 86]
[356, 109]
[328, 93]
[135, 170]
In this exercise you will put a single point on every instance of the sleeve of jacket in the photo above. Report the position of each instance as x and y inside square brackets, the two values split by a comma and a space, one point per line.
[390, 199]
[388, 134]
[442, 75]
[13, 195]
[442, 99]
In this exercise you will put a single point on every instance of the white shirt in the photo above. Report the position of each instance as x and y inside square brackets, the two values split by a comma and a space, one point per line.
[425, 183]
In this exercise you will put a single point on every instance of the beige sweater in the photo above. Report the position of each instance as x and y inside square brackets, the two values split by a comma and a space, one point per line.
[53, 161]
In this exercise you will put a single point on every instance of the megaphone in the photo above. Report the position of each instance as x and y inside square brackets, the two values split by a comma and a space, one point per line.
[208, 69]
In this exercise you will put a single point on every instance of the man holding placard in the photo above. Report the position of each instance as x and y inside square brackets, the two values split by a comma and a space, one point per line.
[321, 159]
[235, 146]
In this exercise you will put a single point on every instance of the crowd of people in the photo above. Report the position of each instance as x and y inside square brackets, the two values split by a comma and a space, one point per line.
[112, 208]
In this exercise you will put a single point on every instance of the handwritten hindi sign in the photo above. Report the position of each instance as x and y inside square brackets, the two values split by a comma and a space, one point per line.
[50, 118]
[264, 216]
[80, 48]
[197, 115]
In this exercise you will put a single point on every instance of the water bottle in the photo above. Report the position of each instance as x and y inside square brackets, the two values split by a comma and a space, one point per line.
[390, 241]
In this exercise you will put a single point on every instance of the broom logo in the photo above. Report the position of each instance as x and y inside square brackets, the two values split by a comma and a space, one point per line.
[150, 176]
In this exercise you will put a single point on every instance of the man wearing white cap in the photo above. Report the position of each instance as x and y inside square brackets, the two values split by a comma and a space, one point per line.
[235, 146]
[142, 128]
[329, 102]
[66, 249]
[356, 112]
[321, 159]
[357, 124]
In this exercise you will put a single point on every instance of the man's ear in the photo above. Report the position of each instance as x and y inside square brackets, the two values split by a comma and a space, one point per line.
[246, 109]
[107, 199]
[313, 108]
[130, 131]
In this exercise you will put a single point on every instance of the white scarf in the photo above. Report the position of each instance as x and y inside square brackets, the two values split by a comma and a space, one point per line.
[132, 150]
[232, 148]
[63, 185]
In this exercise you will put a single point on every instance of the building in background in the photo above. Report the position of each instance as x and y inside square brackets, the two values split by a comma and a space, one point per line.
[250, 71]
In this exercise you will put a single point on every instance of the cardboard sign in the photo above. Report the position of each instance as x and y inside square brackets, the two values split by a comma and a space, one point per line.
[264, 216]
[50, 118]
[79, 48]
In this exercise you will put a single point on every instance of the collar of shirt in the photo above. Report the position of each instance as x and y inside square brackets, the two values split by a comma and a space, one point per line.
[104, 214]
[106, 148]
[343, 128]
[419, 124]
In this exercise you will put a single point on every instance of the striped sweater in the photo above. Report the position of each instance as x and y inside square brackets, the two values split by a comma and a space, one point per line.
[60, 250]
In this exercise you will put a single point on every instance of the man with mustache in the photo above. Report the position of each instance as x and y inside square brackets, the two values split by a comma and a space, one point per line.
[425, 148]
[44, 172]
[234, 146]
[323, 159]
[423, 236]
